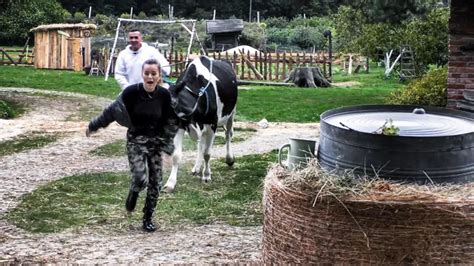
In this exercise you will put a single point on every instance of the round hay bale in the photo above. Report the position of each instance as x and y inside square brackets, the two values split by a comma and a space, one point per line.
[314, 220]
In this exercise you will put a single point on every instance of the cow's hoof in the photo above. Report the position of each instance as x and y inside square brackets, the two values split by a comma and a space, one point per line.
[230, 160]
[167, 189]
[206, 179]
[193, 173]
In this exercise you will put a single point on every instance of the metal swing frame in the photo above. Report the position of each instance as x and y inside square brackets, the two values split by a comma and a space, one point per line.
[191, 32]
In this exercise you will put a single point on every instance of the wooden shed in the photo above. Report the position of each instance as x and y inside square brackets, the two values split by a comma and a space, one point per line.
[225, 33]
[63, 46]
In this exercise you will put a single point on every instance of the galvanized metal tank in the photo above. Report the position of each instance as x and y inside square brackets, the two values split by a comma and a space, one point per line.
[432, 145]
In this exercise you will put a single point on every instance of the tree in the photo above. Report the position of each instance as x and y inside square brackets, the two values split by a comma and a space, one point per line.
[348, 26]
[428, 36]
[389, 11]
[20, 16]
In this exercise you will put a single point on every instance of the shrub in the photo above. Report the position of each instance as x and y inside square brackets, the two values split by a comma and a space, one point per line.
[428, 90]
[253, 35]
[276, 22]
[307, 37]
[6, 111]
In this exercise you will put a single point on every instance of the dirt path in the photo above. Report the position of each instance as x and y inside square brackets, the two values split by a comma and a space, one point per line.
[23, 172]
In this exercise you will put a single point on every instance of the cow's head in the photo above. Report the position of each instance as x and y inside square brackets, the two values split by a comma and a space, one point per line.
[187, 95]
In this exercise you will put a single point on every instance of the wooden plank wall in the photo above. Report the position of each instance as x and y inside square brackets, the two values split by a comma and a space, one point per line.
[56, 51]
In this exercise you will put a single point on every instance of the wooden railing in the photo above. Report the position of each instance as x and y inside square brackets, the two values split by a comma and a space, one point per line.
[258, 65]
[16, 56]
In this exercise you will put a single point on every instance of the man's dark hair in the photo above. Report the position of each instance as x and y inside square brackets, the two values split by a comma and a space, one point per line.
[135, 29]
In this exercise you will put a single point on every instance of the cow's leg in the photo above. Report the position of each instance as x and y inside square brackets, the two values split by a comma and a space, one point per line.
[229, 132]
[199, 157]
[196, 134]
[207, 139]
[177, 154]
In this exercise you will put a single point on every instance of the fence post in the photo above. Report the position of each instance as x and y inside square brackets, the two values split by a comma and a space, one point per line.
[283, 73]
[265, 76]
[277, 67]
[324, 65]
[290, 62]
[270, 66]
[181, 65]
[242, 70]
[236, 68]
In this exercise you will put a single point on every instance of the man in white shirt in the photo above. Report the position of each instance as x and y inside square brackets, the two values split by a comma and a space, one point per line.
[128, 67]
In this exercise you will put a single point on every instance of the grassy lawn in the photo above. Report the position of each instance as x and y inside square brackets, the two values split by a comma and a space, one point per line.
[291, 104]
[233, 197]
[117, 148]
[57, 80]
[276, 104]
[34, 140]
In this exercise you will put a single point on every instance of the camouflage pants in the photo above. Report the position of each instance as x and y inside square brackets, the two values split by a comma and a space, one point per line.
[145, 162]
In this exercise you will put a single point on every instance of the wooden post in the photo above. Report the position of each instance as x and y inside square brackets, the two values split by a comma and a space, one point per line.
[277, 67]
[270, 66]
[249, 63]
[175, 62]
[242, 66]
[236, 69]
[324, 65]
[170, 60]
[183, 65]
[265, 67]
[290, 62]
[283, 73]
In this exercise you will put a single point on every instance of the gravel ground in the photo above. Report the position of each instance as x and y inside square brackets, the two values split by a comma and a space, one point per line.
[23, 172]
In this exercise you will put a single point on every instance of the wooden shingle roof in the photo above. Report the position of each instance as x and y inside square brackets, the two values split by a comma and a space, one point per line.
[64, 26]
[224, 25]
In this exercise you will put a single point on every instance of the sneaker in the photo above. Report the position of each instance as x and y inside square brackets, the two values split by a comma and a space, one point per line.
[131, 201]
[148, 226]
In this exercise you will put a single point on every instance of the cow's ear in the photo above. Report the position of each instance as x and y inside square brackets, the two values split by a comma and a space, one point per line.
[191, 71]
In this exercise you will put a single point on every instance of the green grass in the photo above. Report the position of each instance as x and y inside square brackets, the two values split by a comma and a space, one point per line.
[113, 149]
[31, 141]
[58, 80]
[9, 109]
[233, 197]
[277, 104]
[292, 104]
[117, 148]
[85, 113]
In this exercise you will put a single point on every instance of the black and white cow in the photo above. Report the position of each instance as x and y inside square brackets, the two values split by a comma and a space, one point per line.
[204, 98]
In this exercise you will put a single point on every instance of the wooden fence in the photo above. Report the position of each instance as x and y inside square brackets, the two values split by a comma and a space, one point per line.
[16, 56]
[258, 65]
[247, 66]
